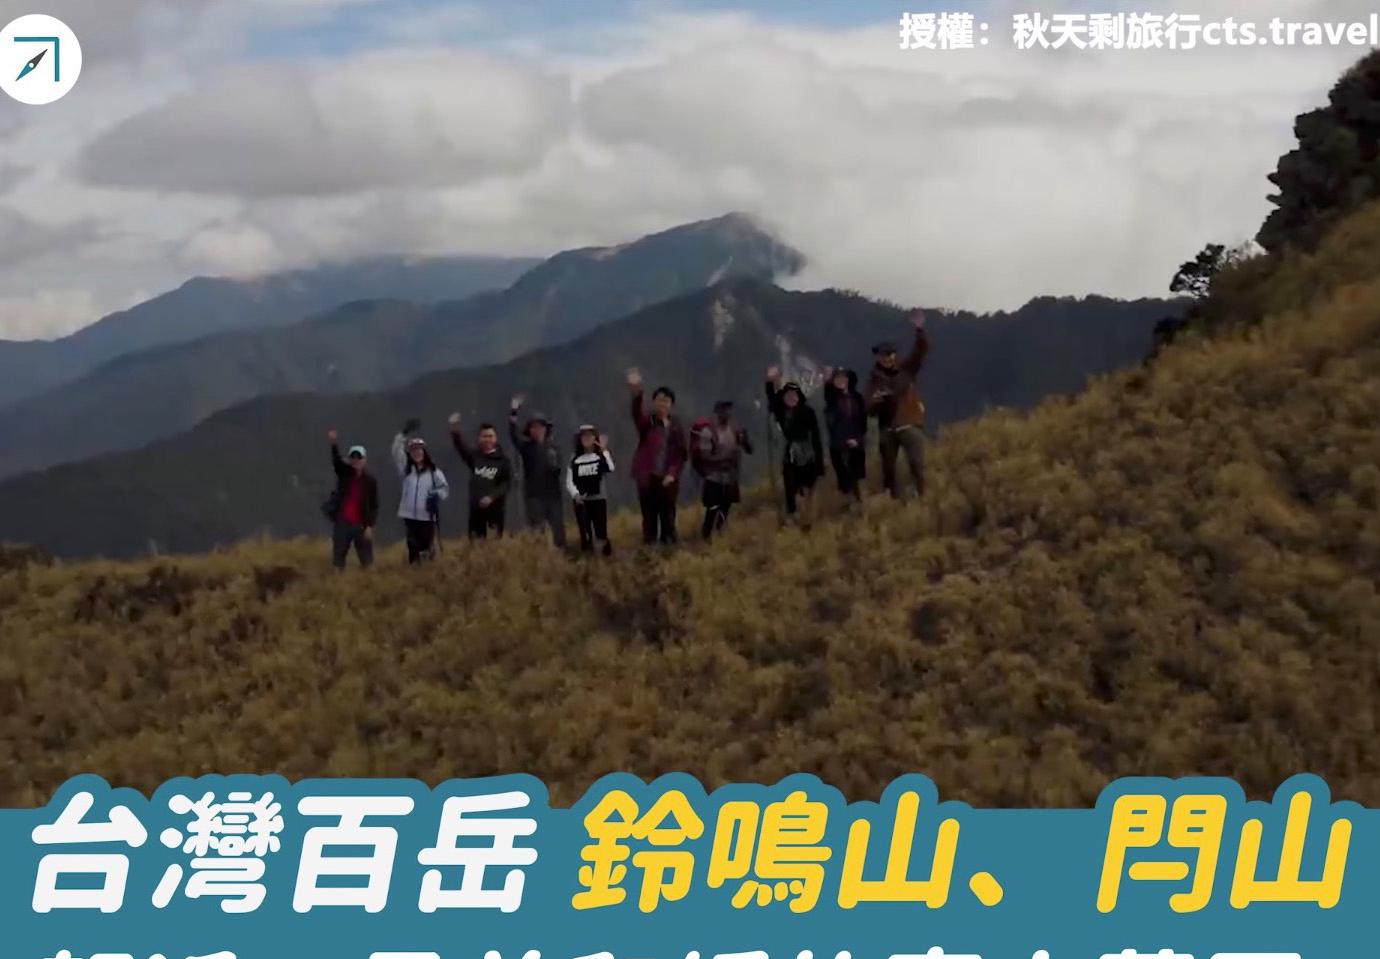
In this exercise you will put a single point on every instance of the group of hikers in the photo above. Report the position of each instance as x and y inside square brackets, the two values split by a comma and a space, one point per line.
[714, 447]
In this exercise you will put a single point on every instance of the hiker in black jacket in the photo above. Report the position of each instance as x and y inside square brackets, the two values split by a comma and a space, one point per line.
[542, 468]
[803, 461]
[490, 477]
[845, 413]
[354, 507]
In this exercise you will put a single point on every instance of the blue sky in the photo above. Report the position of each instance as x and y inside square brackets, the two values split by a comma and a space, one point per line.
[350, 28]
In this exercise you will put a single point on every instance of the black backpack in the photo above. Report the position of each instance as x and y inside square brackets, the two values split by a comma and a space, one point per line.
[331, 507]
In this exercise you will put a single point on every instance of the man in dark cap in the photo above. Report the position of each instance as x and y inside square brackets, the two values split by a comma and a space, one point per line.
[717, 448]
[543, 467]
[894, 398]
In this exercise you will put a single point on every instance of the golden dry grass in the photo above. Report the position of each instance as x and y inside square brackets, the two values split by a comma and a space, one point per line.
[1173, 573]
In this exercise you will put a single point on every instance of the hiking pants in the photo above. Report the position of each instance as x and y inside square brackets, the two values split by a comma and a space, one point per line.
[797, 480]
[485, 518]
[421, 536]
[592, 517]
[542, 512]
[912, 440]
[718, 499]
[850, 468]
[658, 504]
[349, 535]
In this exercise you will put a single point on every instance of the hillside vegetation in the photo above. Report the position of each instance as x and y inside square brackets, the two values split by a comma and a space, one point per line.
[1172, 573]
[261, 467]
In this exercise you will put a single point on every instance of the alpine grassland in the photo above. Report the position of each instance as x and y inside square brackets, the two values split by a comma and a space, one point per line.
[1173, 572]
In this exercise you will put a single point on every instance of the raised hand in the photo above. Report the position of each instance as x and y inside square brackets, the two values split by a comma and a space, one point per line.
[917, 319]
[516, 402]
[454, 420]
[773, 373]
[332, 435]
[411, 426]
[603, 441]
[634, 379]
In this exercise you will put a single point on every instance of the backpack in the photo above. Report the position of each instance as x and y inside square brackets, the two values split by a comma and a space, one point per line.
[698, 458]
[800, 453]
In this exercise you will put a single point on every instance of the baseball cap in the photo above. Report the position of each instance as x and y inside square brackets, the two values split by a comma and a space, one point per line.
[357, 451]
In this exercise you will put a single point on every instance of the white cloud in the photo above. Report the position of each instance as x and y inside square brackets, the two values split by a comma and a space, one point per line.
[973, 179]
[45, 314]
[426, 119]
[231, 249]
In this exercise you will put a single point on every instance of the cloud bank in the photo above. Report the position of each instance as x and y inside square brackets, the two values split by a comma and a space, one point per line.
[970, 179]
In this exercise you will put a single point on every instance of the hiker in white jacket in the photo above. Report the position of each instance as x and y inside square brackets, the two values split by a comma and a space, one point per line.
[424, 486]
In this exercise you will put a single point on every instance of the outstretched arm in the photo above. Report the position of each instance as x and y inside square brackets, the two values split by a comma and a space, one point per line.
[458, 441]
[774, 404]
[399, 453]
[338, 463]
[916, 359]
[639, 415]
[520, 440]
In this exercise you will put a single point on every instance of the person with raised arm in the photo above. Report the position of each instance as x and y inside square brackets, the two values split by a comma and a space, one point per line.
[845, 415]
[542, 468]
[491, 476]
[894, 398]
[424, 487]
[802, 464]
[658, 460]
[585, 480]
[354, 508]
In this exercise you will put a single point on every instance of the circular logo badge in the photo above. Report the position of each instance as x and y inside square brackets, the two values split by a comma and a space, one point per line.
[40, 59]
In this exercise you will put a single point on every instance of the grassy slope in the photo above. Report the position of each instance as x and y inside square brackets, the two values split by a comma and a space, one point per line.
[1173, 573]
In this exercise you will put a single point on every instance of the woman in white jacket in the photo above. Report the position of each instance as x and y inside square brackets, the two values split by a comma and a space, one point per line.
[424, 486]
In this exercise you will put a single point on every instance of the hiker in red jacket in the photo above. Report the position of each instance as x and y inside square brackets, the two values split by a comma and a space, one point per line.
[354, 508]
[658, 460]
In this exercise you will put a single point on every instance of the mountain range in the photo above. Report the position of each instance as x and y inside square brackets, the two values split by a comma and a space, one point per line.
[368, 344]
[208, 305]
[261, 466]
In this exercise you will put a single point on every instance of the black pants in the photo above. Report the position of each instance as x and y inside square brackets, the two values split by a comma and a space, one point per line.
[658, 503]
[850, 468]
[547, 512]
[592, 517]
[912, 440]
[351, 535]
[421, 536]
[797, 480]
[485, 518]
[718, 501]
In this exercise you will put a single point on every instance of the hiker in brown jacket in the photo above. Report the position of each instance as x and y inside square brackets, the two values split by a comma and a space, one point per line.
[894, 398]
